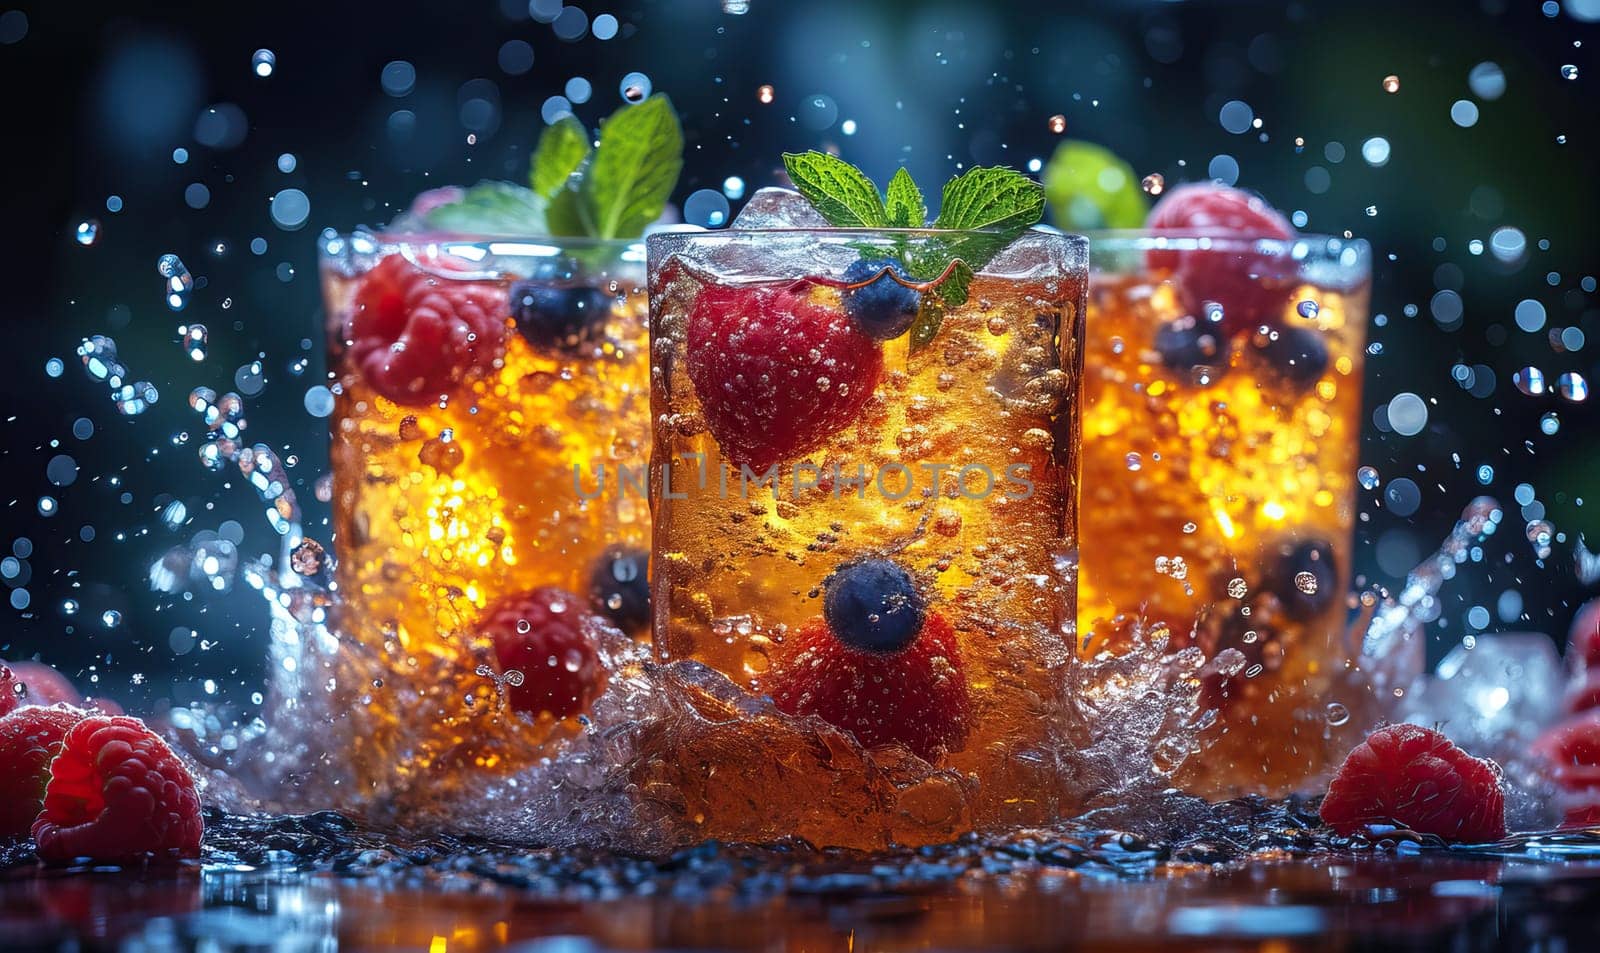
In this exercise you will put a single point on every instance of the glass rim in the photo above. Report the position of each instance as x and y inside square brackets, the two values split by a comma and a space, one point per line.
[1210, 239]
[547, 244]
[860, 231]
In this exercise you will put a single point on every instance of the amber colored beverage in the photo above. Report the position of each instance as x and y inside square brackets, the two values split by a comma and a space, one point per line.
[1221, 427]
[481, 387]
[789, 448]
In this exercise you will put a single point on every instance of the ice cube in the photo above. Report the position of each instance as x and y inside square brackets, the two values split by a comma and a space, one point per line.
[1492, 695]
[778, 208]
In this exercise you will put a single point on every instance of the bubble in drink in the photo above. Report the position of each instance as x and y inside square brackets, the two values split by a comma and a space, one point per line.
[1306, 582]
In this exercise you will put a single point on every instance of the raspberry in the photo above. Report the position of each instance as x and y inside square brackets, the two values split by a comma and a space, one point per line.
[1583, 639]
[11, 690]
[548, 635]
[416, 336]
[40, 685]
[916, 696]
[776, 373]
[1571, 751]
[1415, 777]
[116, 793]
[1251, 287]
[29, 738]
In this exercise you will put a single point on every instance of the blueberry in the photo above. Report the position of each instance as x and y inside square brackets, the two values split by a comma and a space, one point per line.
[873, 605]
[1188, 343]
[1296, 356]
[554, 316]
[1305, 577]
[885, 308]
[619, 585]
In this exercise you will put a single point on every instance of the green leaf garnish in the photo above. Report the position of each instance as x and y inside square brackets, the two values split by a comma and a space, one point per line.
[991, 197]
[1089, 187]
[983, 210]
[563, 147]
[903, 201]
[840, 192]
[608, 191]
[635, 168]
[492, 208]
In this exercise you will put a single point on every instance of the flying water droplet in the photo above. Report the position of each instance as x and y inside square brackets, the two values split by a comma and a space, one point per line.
[1368, 478]
[1337, 714]
[1391, 83]
[194, 340]
[1154, 184]
[1307, 309]
[179, 283]
[1550, 423]
[1529, 380]
[87, 232]
[1569, 71]
[1058, 124]
[1306, 582]
[263, 63]
[1541, 533]
[1572, 386]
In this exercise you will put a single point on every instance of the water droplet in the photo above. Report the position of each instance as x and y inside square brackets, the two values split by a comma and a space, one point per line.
[1368, 478]
[263, 62]
[1058, 124]
[1306, 582]
[1391, 83]
[1307, 309]
[1569, 71]
[1238, 588]
[194, 338]
[1572, 386]
[1550, 423]
[179, 283]
[1337, 714]
[1540, 533]
[635, 87]
[1133, 461]
[1529, 380]
[1154, 184]
[765, 94]
[111, 618]
[87, 232]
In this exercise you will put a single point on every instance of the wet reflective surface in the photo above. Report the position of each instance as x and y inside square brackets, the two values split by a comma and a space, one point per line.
[1253, 875]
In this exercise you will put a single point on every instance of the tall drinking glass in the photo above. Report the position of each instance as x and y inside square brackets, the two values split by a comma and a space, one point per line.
[1222, 411]
[865, 501]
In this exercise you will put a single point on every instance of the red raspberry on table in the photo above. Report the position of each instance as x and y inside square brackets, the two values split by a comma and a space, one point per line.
[416, 336]
[1417, 778]
[1583, 639]
[29, 738]
[916, 696]
[116, 793]
[1251, 287]
[547, 635]
[776, 372]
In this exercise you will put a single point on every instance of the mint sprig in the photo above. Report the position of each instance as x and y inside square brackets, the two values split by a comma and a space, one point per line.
[578, 189]
[984, 209]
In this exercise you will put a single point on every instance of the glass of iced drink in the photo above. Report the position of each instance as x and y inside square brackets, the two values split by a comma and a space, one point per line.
[1222, 411]
[485, 390]
[864, 494]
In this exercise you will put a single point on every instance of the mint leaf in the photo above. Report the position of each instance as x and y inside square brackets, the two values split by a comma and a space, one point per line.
[840, 192]
[635, 168]
[991, 197]
[903, 201]
[493, 208]
[562, 149]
